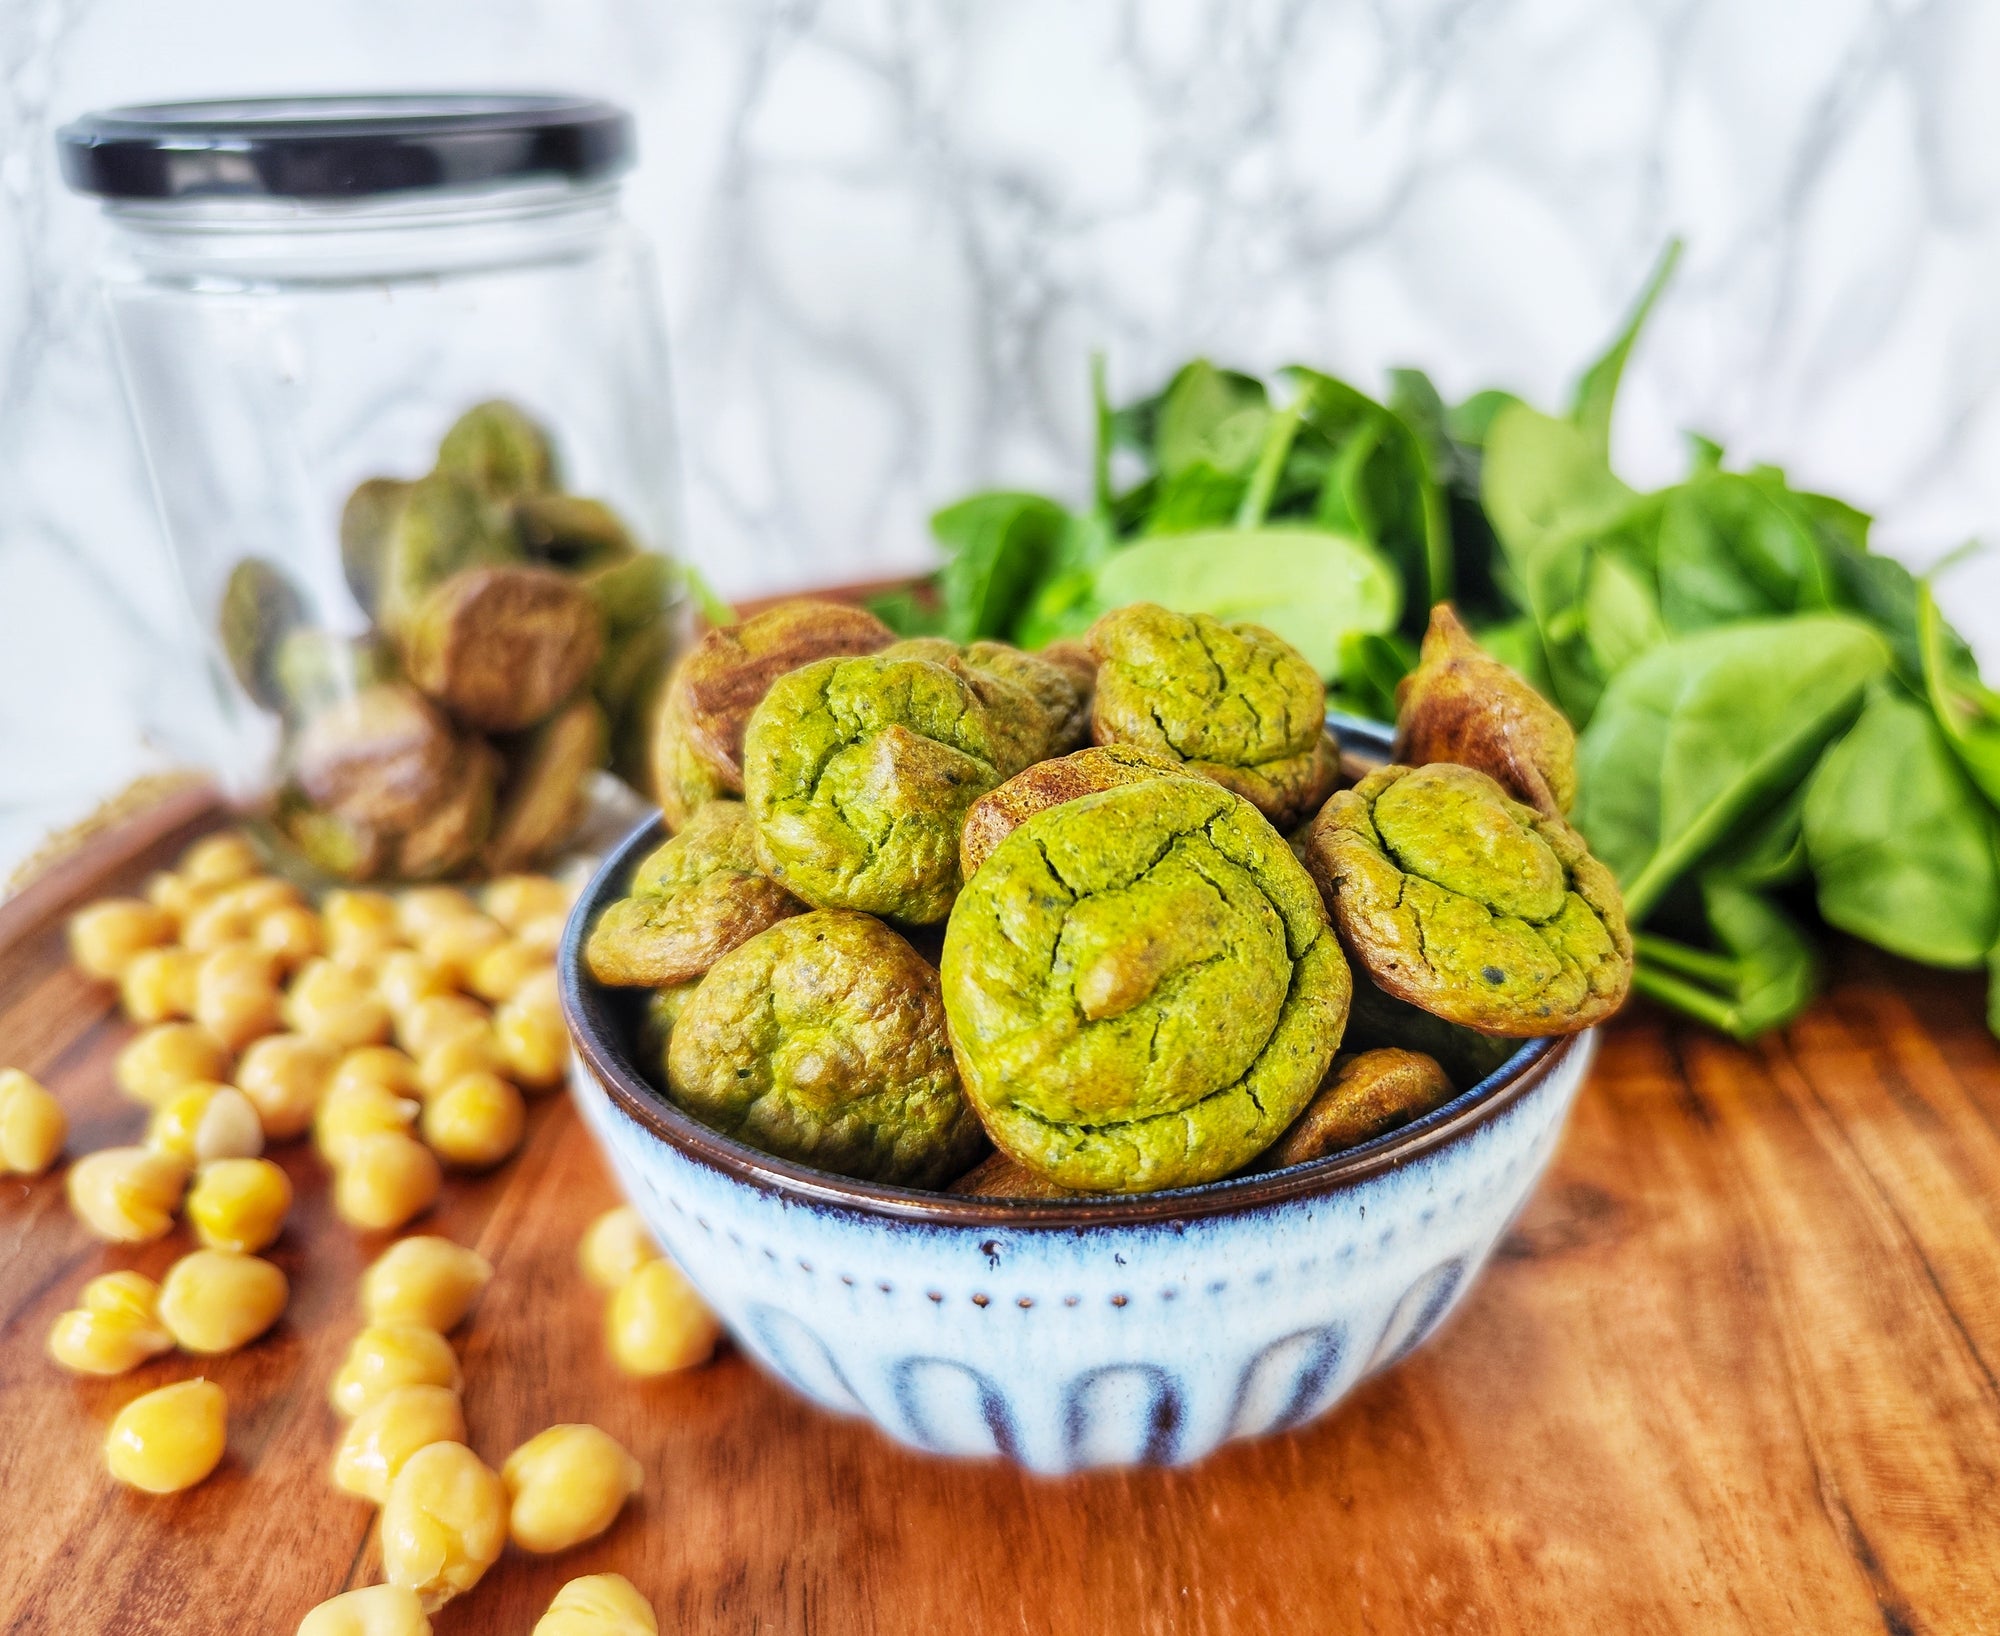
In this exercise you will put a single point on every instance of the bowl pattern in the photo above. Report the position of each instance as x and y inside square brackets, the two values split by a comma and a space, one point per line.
[1063, 1337]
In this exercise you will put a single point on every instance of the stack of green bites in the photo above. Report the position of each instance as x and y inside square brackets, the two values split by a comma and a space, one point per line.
[517, 640]
[1141, 985]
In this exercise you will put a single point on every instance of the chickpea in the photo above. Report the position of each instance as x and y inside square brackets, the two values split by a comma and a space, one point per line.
[424, 1280]
[533, 1046]
[423, 909]
[514, 900]
[161, 1059]
[232, 914]
[543, 934]
[159, 984]
[127, 1195]
[290, 934]
[218, 1300]
[337, 1005]
[384, 1181]
[457, 945]
[567, 1485]
[105, 937]
[362, 1108]
[443, 1524]
[175, 896]
[391, 1429]
[616, 1245]
[32, 1125]
[435, 1019]
[541, 992]
[205, 1121]
[239, 1204]
[475, 1122]
[657, 1323]
[221, 859]
[236, 994]
[374, 1610]
[385, 1356]
[169, 1439]
[114, 1327]
[360, 926]
[598, 1605]
[406, 977]
[381, 1065]
[474, 1049]
[502, 969]
[285, 1076]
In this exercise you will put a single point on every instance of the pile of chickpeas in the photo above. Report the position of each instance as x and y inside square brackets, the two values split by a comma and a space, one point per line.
[403, 1032]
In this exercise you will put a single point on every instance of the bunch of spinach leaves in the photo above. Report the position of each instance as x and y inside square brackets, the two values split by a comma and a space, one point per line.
[1774, 722]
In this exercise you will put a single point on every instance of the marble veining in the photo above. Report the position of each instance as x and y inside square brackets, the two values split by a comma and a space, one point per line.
[890, 233]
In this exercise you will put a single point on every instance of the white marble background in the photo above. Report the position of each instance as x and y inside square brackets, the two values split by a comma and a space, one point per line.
[890, 233]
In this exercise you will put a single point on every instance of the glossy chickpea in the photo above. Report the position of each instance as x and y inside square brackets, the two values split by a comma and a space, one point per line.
[514, 900]
[358, 1109]
[423, 909]
[175, 896]
[114, 1327]
[161, 1059]
[616, 1245]
[405, 977]
[542, 992]
[33, 1126]
[456, 946]
[474, 1049]
[203, 1122]
[599, 1605]
[221, 859]
[475, 1122]
[236, 994]
[160, 984]
[215, 1301]
[239, 1204]
[291, 935]
[285, 1076]
[231, 915]
[383, 1436]
[338, 1006]
[381, 1065]
[169, 1439]
[374, 1610]
[424, 1280]
[385, 1356]
[567, 1485]
[444, 1523]
[105, 937]
[384, 1181]
[657, 1323]
[543, 934]
[435, 1019]
[533, 1046]
[127, 1195]
[360, 927]
[504, 968]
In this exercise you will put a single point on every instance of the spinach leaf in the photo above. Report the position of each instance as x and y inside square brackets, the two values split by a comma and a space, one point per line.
[1066, 602]
[1901, 845]
[1764, 976]
[1966, 709]
[1210, 417]
[1597, 392]
[1703, 732]
[1371, 667]
[911, 610]
[1310, 586]
[1471, 421]
[1000, 544]
[1733, 548]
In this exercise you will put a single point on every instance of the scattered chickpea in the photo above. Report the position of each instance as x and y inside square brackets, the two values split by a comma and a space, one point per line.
[161, 1059]
[543, 934]
[231, 915]
[406, 977]
[384, 1181]
[374, 1610]
[383, 1436]
[32, 1125]
[285, 1076]
[514, 900]
[290, 934]
[360, 926]
[114, 1327]
[175, 895]
[169, 1439]
[474, 1049]
[218, 1300]
[356, 1109]
[385, 1356]
[657, 1323]
[105, 937]
[567, 1485]
[541, 992]
[533, 1046]
[239, 1204]
[381, 1065]
[221, 859]
[424, 1280]
[160, 984]
[476, 1121]
[337, 1005]
[236, 994]
[435, 1019]
[616, 1246]
[206, 1121]
[127, 1195]
[502, 969]
[456, 945]
[443, 1524]
[597, 1605]
[423, 909]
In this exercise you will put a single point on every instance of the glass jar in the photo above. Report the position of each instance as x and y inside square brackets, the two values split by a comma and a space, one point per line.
[399, 372]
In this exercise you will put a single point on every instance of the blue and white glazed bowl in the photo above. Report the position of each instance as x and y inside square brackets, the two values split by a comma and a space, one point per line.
[1068, 1334]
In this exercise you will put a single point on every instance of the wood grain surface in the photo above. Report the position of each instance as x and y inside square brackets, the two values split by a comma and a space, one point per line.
[1734, 1370]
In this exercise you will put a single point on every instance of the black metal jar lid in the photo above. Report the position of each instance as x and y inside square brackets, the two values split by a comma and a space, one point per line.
[340, 147]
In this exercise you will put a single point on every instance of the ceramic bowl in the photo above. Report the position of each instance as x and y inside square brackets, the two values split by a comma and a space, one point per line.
[1068, 1334]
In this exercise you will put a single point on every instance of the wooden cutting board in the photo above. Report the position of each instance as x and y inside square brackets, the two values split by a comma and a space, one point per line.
[1734, 1370]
